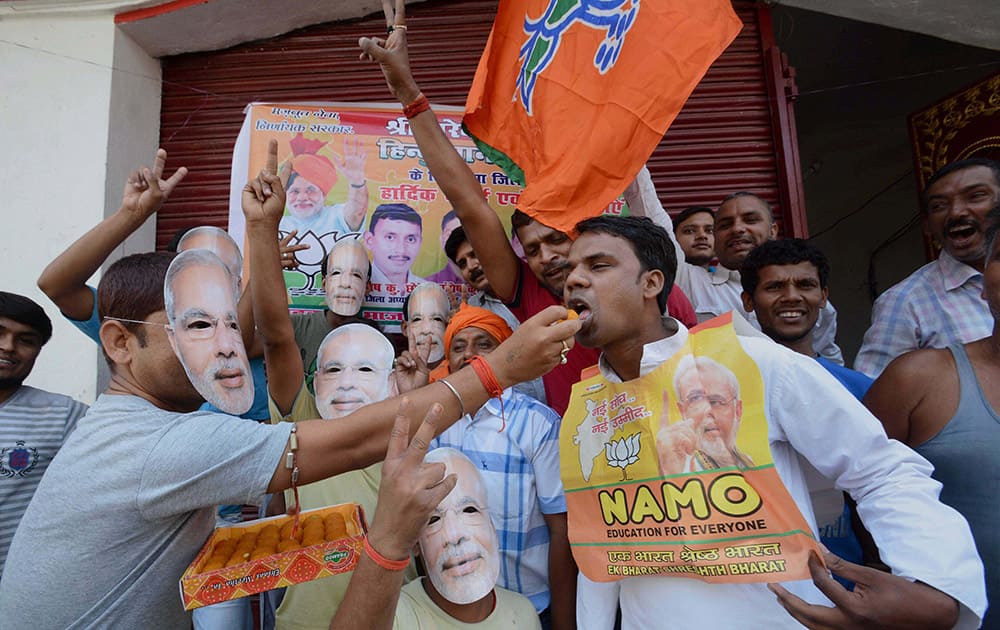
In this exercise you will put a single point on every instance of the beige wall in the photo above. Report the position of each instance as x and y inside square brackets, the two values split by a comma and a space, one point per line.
[72, 126]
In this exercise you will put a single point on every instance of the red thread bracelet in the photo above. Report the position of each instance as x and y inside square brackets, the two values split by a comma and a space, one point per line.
[382, 561]
[490, 383]
[419, 105]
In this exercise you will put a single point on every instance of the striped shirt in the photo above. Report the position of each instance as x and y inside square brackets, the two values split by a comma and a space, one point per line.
[33, 426]
[938, 305]
[520, 467]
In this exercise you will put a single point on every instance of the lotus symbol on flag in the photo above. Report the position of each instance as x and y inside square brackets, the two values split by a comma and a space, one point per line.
[615, 17]
[621, 453]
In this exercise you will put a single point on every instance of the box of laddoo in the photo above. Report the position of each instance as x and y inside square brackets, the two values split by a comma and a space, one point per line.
[270, 553]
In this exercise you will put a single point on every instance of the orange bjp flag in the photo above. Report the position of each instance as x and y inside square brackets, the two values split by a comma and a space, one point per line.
[571, 96]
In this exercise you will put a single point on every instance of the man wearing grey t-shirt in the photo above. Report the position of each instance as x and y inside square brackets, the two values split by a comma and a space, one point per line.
[129, 500]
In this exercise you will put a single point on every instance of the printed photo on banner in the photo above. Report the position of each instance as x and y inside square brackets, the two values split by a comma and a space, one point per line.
[354, 171]
[671, 474]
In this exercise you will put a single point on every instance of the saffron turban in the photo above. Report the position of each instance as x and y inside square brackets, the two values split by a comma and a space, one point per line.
[472, 316]
[316, 168]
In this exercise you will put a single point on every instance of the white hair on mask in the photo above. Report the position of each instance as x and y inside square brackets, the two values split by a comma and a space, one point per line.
[690, 361]
[446, 454]
[379, 341]
[217, 241]
[192, 258]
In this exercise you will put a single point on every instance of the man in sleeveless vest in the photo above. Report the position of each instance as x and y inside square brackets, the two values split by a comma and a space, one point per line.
[943, 403]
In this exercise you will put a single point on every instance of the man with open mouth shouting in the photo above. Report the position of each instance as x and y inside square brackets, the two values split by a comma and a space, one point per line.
[940, 304]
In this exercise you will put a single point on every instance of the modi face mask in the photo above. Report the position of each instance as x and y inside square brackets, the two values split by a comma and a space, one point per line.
[200, 296]
[459, 543]
[353, 370]
[427, 319]
[347, 270]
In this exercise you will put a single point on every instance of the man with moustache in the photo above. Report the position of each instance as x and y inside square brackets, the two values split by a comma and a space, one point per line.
[940, 304]
[694, 231]
[458, 547]
[711, 409]
[33, 423]
[460, 252]
[64, 280]
[624, 265]
[346, 271]
[526, 286]
[514, 441]
[394, 235]
[218, 241]
[200, 294]
[153, 469]
[943, 403]
[742, 222]
[204, 331]
[426, 311]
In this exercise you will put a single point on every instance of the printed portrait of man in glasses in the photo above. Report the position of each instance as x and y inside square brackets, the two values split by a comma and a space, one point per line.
[200, 294]
[711, 408]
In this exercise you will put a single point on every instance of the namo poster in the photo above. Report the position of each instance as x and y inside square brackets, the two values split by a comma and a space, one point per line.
[355, 171]
[671, 474]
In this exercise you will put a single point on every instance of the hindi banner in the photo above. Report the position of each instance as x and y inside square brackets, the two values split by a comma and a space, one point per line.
[349, 161]
[671, 474]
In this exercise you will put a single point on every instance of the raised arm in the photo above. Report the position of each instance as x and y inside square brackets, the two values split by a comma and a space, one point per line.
[263, 205]
[352, 167]
[408, 493]
[359, 439]
[643, 201]
[482, 225]
[64, 280]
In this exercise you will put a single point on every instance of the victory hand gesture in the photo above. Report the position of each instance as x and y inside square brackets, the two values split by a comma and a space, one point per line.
[410, 489]
[391, 53]
[411, 368]
[146, 190]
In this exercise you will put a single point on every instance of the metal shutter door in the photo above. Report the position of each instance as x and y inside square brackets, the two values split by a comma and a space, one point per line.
[722, 141]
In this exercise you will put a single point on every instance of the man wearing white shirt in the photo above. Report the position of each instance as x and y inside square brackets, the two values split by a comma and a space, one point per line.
[742, 222]
[621, 265]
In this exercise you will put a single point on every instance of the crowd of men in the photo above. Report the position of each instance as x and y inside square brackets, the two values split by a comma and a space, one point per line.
[219, 397]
